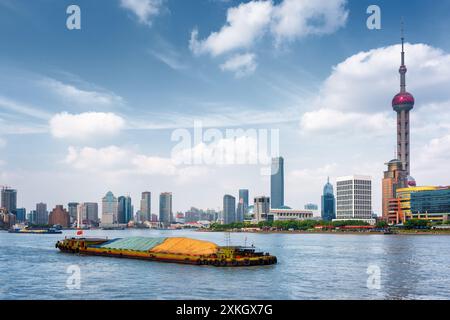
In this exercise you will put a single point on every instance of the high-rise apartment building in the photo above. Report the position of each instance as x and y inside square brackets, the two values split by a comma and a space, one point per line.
[41, 214]
[9, 199]
[165, 209]
[146, 207]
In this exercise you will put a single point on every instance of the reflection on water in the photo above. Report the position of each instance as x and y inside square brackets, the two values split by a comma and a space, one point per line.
[310, 267]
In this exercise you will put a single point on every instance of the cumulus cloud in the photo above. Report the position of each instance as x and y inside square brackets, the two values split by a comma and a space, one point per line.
[357, 94]
[224, 151]
[74, 95]
[245, 23]
[144, 10]
[290, 19]
[241, 65]
[85, 125]
[299, 18]
[116, 160]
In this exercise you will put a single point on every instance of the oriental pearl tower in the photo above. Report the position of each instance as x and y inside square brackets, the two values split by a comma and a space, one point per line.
[403, 103]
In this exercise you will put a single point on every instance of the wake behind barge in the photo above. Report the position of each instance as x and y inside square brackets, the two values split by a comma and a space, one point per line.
[174, 250]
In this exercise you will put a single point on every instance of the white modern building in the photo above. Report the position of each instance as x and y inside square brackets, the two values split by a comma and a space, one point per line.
[354, 198]
[290, 215]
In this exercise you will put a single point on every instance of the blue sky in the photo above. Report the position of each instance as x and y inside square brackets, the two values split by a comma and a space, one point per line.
[91, 110]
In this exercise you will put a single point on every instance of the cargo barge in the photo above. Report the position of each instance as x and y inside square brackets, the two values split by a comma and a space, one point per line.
[174, 250]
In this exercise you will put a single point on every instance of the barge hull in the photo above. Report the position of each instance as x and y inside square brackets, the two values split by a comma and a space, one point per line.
[223, 257]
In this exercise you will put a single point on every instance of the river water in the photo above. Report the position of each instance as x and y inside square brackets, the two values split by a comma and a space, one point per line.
[310, 266]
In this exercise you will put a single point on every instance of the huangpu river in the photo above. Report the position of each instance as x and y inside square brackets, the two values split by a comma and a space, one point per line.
[310, 266]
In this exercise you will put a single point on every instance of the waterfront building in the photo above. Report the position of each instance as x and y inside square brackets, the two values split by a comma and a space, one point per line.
[87, 214]
[277, 183]
[109, 209]
[229, 209]
[165, 209]
[59, 216]
[402, 104]
[41, 214]
[242, 208]
[21, 214]
[146, 207]
[354, 198]
[394, 178]
[430, 203]
[124, 210]
[72, 208]
[7, 219]
[261, 208]
[290, 215]
[9, 199]
[328, 202]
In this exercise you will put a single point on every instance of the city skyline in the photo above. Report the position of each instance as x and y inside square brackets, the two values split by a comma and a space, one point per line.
[325, 130]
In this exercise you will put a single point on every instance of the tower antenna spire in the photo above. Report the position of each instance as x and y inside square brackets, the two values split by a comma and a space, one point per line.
[403, 68]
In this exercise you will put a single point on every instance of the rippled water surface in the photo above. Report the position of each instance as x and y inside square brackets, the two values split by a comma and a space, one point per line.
[310, 267]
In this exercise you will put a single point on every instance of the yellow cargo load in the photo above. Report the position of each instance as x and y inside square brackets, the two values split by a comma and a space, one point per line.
[186, 246]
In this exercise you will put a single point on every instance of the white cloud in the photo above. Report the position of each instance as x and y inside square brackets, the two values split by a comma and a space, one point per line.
[300, 18]
[437, 150]
[290, 19]
[92, 159]
[90, 98]
[357, 94]
[241, 64]
[336, 121]
[245, 23]
[114, 160]
[85, 125]
[241, 149]
[144, 10]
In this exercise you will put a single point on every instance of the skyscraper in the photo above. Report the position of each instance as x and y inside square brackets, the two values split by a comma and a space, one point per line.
[229, 209]
[354, 198]
[125, 210]
[109, 209]
[242, 207]
[146, 207]
[9, 199]
[72, 208]
[328, 212]
[261, 208]
[165, 208]
[277, 183]
[87, 214]
[41, 214]
[21, 214]
[402, 103]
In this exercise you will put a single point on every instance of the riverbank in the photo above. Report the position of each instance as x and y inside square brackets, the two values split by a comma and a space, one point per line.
[400, 232]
